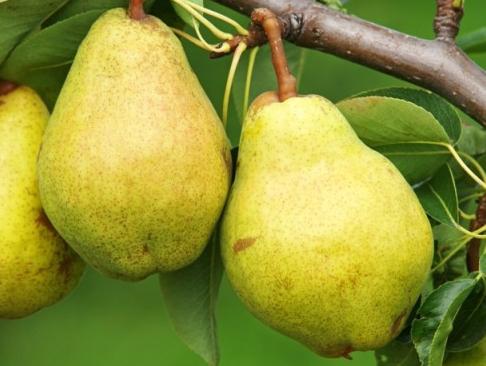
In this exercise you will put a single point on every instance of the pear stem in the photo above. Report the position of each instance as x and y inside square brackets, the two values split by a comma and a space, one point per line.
[287, 84]
[135, 10]
[474, 247]
[6, 87]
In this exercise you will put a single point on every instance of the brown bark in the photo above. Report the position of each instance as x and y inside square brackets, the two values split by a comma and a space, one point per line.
[433, 64]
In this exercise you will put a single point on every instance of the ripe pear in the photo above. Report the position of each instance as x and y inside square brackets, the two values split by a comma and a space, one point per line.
[135, 165]
[37, 268]
[474, 357]
[322, 237]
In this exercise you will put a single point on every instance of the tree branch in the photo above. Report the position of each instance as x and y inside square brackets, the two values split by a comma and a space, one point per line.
[433, 64]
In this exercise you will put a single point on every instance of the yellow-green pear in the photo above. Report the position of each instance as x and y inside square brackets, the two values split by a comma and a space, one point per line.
[135, 165]
[474, 357]
[322, 237]
[37, 268]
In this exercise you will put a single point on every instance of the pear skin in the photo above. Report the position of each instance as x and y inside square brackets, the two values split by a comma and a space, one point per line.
[322, 238]
[135, 165]
[37, 268]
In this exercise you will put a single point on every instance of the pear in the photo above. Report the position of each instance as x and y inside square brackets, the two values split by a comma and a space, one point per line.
[135, 165]
[37, 268]
[474, 357]
[322, 237]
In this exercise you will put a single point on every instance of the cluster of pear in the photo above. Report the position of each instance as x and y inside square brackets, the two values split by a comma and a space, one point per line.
[322, 238]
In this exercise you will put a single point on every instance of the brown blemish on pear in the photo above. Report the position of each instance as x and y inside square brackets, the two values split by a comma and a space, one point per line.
[43, 220]
[226, 155]
[398, 322]
[242, 244]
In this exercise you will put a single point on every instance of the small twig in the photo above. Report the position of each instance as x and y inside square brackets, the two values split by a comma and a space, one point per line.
[6, 87]
[135, 10]
[435, 65]
[256, 36]
[474, 247]
[249, 76]
[287, 84]
[447, 19]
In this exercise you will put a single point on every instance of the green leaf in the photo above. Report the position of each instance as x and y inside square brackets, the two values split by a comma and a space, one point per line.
[439, 197]
[443, 112]
[386, 121]
[20, 17]
[165, 11]
[482, 263]
[184, 14]
[52, 48]
[402, 131]
[397, 354]
[75, 7]
[473, 140]
[469, 324]
[190, 296]
[47, 83]
[448, 238]
[474, 42]
[416, 162]
[437, 313]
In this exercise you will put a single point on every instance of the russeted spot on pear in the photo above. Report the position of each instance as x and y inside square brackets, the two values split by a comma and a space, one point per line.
[135, 165]
[322, 237]
[37, 268]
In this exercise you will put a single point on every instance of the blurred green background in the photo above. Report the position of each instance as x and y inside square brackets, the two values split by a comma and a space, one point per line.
[107, 322]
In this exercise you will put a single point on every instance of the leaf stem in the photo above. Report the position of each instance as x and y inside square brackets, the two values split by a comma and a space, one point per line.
[223, 47]
[196, 41]
[249, 76]
[231, 76]
[461, 245]
[212, 28]
[219, 16]
[470, 197]
[466, 215]
[475, 163]
[464, 166]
